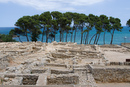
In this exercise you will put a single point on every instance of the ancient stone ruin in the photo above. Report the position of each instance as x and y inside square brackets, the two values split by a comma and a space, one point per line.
[61, 65]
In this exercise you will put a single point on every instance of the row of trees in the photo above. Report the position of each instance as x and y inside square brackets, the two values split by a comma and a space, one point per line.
[55, 22]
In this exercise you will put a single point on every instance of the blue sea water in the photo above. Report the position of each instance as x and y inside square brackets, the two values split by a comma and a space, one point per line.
[118, 36]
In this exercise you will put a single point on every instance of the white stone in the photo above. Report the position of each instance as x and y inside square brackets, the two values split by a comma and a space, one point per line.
[6, 79]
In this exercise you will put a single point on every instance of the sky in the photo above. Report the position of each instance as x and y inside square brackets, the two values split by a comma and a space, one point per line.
[12, 10]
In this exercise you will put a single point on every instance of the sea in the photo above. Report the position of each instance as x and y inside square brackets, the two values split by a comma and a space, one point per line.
[119, 37]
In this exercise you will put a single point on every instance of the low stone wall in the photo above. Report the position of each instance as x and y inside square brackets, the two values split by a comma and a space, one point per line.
[38, 71]
[56, 65]
[105, 74]
[59, 55]
[63, 79]
[30, 80]
[59, 72]
[119, 63]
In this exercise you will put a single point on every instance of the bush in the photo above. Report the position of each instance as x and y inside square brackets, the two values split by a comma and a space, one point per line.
[6, 38]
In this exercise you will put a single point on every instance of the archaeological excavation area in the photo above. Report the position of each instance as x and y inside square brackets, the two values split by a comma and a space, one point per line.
[37, 64]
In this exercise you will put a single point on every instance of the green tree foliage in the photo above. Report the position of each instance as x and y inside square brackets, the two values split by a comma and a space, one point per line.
[76, 23]
[23, 24]
[128, 23]
[55, 21]
[89, 26]
[46, 22]
[34, 28]
[16, 33]
[105, 25]
[64, 26]
[56, 15]
[29, 25]
[115, 25]
[82, 21]
[69, 16]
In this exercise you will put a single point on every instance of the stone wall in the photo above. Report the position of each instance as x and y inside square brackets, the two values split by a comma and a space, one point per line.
[63, 79]
[30, 80]
[20, 79]
[38, 71]
[60, 72]
[56, 65]
[61, 55]
[119, 63]
[105, 74]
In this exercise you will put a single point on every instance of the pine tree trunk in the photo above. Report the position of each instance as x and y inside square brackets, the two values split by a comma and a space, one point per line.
[92, 38]
[19, 39]
[71, 36]
[104, 37]
[51, 40]
[81, 35]
[86, 40]
[84, 37]
[27, 37]
[66, 37]
[75, 35]
[60, 36]
[42, 34]
[98, 39]
[54, 37]
[112, 37]
[95, 39]
[47, 35]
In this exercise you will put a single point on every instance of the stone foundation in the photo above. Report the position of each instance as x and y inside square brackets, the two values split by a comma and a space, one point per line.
[56, 65]
[60, 72]
[61, 55]
[110, 74]
[30, 80]
[38, 71]
[62, 80]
